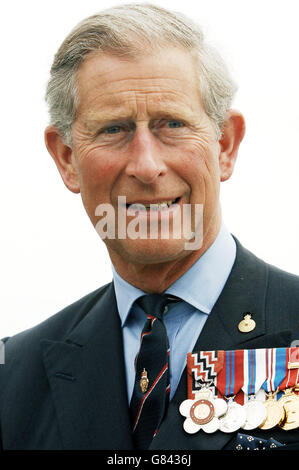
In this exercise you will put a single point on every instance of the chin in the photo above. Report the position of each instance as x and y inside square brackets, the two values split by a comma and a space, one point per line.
[148, 251]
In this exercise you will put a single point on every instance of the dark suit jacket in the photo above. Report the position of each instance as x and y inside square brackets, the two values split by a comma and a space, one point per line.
[63, 382]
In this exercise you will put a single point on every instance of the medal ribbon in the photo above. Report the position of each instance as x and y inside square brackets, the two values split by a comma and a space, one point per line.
[230, 377]
[202, 371]
[275, 368]
[254, 370]
[291, 377]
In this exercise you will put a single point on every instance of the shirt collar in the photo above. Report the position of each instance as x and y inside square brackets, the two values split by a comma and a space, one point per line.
[199, 286]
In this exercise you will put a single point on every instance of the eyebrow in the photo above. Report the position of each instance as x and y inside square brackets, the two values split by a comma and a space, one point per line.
[108, 117]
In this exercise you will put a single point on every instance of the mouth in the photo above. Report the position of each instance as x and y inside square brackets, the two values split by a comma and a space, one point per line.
[154, 205]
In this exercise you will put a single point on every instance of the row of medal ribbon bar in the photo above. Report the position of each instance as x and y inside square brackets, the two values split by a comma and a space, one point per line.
[242, 389]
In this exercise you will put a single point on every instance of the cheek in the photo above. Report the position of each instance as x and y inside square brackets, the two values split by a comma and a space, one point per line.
[96, 166]
[97, 170]
[96, 179]
[199, 163]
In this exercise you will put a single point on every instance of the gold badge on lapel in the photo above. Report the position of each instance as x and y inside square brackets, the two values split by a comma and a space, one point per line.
[247, 324]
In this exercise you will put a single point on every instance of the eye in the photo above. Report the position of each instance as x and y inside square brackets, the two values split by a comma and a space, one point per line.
[113, 130]
[118, 129]
[174, 124]
[169, 128]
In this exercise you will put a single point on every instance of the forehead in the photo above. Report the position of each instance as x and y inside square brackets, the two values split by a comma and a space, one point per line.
[153, 81]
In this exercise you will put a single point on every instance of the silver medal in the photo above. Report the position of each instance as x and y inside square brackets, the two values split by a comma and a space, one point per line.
[234, 418]
[256, 414]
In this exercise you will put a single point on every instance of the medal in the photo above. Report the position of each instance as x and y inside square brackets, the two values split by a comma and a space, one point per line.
[203, 412]
[289, 400]
[290, 403]
[229, 382]
[256, 414]
[275, 372]
[234, 418]
[275, 413]
[202, 409]
[254, 376]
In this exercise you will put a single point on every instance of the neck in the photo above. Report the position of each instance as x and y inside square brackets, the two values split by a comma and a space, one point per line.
[156, 278]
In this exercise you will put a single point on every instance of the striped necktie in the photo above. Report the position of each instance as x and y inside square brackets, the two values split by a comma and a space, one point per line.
[151, 390]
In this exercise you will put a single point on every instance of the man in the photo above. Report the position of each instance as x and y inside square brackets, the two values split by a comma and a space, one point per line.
[141, 124]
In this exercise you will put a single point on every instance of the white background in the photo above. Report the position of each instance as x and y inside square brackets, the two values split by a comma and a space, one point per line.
[50, 253]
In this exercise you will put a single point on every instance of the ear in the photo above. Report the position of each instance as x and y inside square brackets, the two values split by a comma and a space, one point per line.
[63, 157]
[232, 136]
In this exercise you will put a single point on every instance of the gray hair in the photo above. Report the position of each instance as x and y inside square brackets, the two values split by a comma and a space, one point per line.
[128, 31]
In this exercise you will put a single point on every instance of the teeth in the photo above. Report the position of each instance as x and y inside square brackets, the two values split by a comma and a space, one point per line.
[155, 206]
[136, 206]
[158, 206]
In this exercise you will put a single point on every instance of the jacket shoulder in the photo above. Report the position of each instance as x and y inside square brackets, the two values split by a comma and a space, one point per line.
[56, 327]
[281, 289]
[277, 278]
[283, 294]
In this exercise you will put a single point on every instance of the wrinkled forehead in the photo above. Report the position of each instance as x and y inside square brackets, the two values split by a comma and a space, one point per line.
[163, 77]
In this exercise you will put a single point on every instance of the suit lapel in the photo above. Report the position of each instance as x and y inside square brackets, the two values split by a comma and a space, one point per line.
[245, 291]
[87, 378]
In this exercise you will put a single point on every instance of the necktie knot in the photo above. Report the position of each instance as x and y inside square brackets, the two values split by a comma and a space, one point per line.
[154, 304]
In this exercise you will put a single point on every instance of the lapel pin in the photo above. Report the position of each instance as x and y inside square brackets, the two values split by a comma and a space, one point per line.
[247, 324]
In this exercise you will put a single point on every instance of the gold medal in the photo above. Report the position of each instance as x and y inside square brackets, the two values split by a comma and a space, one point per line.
[144, 381]
[290, 402]
[247, 324]
[275, 413]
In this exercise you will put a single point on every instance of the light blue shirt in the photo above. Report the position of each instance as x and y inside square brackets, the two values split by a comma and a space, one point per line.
[199, 289]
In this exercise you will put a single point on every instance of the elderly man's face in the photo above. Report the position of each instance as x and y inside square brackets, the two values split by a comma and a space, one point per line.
[141, 132]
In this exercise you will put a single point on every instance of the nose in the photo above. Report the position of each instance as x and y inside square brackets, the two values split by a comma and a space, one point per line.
[145, 159]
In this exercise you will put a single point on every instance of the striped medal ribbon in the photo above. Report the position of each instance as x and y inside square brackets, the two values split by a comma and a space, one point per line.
[291, 378]
[275, 369]
[230, 380]
[275, 374]
[255, 374]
